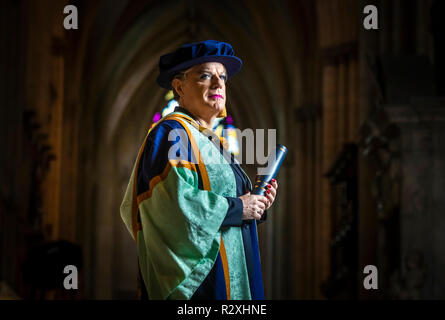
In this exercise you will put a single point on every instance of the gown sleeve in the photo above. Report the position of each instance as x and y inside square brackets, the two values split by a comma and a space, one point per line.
[180, 222]
[234, 215]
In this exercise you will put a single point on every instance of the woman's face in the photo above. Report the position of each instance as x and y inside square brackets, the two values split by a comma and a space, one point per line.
[203, 89]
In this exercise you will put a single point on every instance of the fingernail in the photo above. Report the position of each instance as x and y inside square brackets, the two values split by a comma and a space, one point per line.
[269, 186]
[268, 191]
[273, 180]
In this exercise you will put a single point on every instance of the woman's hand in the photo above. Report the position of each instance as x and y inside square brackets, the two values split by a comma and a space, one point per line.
[253, 206]
[271, 192]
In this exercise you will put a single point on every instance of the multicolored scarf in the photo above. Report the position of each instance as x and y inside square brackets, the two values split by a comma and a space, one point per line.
[176, 217]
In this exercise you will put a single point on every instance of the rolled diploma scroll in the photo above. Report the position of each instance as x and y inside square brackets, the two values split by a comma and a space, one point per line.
[274, 162]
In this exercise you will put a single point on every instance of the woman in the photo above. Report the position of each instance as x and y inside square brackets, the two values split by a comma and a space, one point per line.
[188, 204]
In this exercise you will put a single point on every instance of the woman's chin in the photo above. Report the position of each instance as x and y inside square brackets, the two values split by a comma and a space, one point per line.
[218, 106]
[215, 107]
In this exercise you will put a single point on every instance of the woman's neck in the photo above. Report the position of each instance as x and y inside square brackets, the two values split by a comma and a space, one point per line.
[206, 122]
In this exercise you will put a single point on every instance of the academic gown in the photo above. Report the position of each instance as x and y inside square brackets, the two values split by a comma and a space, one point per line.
[233, 270]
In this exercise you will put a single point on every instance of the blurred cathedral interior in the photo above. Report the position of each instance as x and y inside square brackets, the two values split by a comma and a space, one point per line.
[361, 111]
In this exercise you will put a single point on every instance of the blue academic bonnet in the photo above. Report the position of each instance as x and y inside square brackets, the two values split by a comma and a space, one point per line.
[195, 53]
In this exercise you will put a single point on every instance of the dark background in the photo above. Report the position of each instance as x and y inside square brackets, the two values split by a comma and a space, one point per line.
[362, 113]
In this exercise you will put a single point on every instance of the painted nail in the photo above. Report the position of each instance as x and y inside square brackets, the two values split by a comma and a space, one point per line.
[269, 186]
[268, 191]
[273, 180]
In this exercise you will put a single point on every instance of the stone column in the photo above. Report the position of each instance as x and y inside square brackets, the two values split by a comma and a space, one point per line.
[422, 218]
